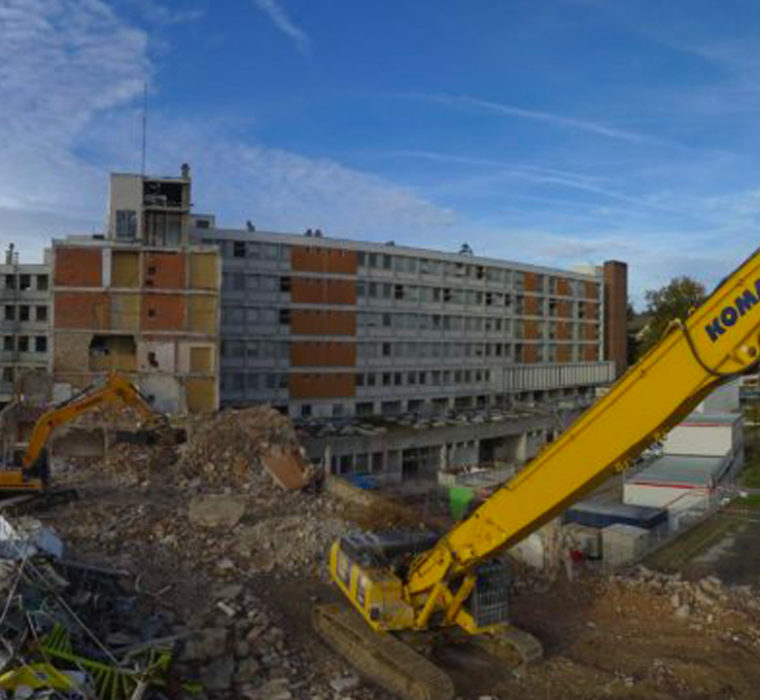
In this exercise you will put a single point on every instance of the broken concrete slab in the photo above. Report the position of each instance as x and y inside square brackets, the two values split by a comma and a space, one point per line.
[286, 467]
[216, 510]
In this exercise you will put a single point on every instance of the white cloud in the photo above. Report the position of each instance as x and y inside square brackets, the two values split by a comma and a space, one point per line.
[156, 13]
[508, 110]
[62, 63]
[71, 80]
[282, 21]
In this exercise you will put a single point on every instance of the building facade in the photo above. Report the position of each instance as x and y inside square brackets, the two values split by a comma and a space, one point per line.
[25, 298]
[142, 299]
[334, 329]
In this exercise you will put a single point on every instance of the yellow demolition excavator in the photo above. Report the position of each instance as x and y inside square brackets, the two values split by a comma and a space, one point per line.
[409, 588]
[33, 474]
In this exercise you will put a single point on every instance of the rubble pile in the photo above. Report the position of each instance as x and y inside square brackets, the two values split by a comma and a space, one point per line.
[74, 631]
[226, 448]
[703, 603]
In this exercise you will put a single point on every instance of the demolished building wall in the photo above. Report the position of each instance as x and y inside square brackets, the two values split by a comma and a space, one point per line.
[152, 315]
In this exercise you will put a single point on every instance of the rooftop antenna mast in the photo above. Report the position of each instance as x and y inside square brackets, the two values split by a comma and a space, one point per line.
[144, 127]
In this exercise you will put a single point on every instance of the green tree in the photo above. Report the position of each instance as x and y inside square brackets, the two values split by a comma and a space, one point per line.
[674, 300]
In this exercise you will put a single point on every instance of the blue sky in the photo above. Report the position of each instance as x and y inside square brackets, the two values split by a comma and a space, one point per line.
[561, 132]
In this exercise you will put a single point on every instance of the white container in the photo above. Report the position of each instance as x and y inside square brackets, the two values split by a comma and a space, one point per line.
[623, 543]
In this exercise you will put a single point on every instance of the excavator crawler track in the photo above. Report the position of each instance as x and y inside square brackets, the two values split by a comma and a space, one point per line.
[380, 656]
[515, 646]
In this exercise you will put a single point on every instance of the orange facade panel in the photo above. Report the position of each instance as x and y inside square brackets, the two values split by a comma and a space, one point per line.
[531, 282]
[531, 306]
[530, 330]
[164, 270]
[316, 354]
[564, 353]
[590, 353]
[163, 312]
[307, 259]
[590, 309]
[563, 287]
[78, 267]
[307, 322]
[304, 290]
[321, 386]
[590, 290]
[591, 331]
[530, 353]
[564, 309]
[84, 310]
[563, 330]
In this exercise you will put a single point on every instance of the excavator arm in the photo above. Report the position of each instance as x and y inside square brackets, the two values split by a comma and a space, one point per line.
[718, 341]
[116, 389]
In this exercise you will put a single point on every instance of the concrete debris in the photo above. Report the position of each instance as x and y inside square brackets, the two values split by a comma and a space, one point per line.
[216, 510]
[27, 537]
[344, 684]
[227, 448]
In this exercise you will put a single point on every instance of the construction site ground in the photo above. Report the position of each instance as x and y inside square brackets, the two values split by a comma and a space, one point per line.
[237, 563]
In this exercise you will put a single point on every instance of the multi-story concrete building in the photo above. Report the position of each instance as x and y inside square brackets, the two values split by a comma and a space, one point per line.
[143, 299]
[25, 302]
[333, 328]
[456, 359]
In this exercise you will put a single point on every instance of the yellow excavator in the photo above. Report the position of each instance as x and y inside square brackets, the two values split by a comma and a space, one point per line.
[411, 588]
[33, 474]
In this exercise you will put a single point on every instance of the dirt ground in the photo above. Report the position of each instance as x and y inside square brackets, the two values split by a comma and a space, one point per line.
[603, 637]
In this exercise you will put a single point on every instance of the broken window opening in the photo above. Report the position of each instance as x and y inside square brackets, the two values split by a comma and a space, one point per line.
[112, 352]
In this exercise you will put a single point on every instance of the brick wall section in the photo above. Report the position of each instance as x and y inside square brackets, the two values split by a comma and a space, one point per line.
[616, 314]
[315, 291]
[303, 322]
[78, 267]
[305, 259]
[163, 312]
[321, 386]
[316, 354]
[590, 353]
[164, 270]
[83, 310]
[531, 282]
[564, 353]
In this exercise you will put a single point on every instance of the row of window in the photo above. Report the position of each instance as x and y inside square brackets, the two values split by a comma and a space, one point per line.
[424, 377]
[462, 270]
[251, 249]
[25, 282]
[24, 312]
[24, 343]
[271, 349]
[441, 322]
[508, 351]
[239, 316]
[451, 295]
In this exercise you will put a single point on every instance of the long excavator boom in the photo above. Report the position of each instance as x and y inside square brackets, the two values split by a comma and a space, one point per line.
[407, 583]
[115, 389]
[718, 340]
